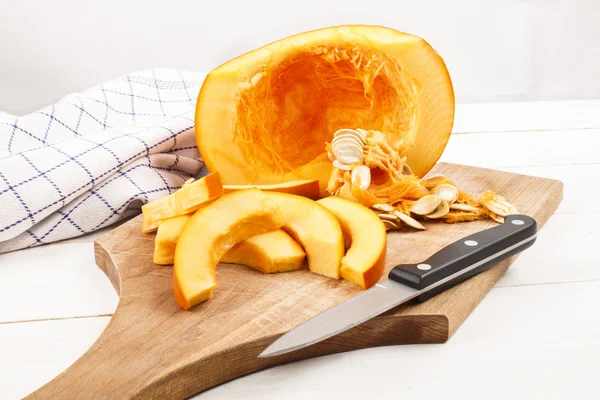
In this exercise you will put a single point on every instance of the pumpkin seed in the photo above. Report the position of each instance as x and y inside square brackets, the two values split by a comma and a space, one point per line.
[446, 192]
[409, 220]
[463, 207]
[364, 173]
[388, 217]
[406, 170]
[349, 136]
[497, 208]
[348, 148]
[389, 225]
[331, 156]
[348, 139]
[426, 204]
[339, 165]
[351, 132]
[497, 218]
[348, 153]
[434, 179]
[382, 207]
[348, 157]
[440, 212]
[501, 207]
[511, 208]
[363, 134]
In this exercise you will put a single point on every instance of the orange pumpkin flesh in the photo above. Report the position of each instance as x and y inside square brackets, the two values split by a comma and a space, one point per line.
[185, 200]
[167, 237]
[264, 117]
[316, 229]
[306, 188]
[268, 252]
[211, 232]
[365, 238]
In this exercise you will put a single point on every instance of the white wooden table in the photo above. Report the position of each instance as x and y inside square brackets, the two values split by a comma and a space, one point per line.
[536, 335]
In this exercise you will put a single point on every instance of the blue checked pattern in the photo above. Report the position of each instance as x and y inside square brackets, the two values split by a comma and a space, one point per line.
[94, 158]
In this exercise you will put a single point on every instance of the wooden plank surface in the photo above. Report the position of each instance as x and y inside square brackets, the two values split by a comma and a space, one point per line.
[152, 348]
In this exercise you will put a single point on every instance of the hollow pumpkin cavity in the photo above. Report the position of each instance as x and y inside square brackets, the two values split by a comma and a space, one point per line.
[286, 113]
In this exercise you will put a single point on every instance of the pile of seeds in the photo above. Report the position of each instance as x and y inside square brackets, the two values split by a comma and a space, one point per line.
[393, 219]
[442, 203]
[440, 198]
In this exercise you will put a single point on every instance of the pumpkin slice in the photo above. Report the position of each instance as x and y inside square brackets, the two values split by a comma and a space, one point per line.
[185, 200]
[167, 237]
[316, 229]
[306, 188]
[365, 237]
[269, 252]
[265, 116]
[211, 232]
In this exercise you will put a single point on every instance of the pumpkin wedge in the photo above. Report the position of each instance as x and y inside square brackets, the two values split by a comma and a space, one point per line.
[306, 188]
[185, 200]
[167, 237]
[211, 232]
[366, 240]
[316, 229]
[268, 252]
[264, 117]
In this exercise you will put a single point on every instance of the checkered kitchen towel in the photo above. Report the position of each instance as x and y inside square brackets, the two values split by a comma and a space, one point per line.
[94, 158]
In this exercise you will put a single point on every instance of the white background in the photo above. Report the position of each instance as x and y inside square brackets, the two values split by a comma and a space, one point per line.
[496, 50]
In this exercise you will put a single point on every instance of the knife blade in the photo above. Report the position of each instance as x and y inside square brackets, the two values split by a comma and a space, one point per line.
[451, 265]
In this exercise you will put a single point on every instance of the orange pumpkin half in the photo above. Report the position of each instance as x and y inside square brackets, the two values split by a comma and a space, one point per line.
[264, 117]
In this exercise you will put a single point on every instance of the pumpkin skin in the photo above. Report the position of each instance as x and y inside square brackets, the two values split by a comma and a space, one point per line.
[264, 117]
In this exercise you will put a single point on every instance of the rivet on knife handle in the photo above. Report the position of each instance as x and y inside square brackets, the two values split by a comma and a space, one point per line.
[477, 252]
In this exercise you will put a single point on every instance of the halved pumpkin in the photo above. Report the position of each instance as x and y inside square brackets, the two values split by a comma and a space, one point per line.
[264, 117]
[211, 232]
[365, 238]
[306, 188]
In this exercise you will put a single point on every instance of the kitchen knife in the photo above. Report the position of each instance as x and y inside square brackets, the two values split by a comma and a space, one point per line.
[453, 264]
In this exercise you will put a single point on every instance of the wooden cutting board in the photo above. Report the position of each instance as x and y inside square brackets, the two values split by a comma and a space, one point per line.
[153, 349]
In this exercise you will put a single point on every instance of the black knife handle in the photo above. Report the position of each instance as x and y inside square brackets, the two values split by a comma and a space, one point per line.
[468, 256]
